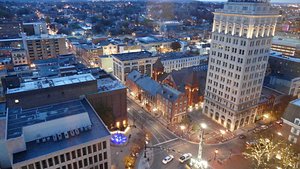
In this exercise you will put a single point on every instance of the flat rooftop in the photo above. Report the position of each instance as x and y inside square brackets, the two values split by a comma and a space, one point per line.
[45, 36]
[19, 118]
[152, 39]
[279, 40]
[280, 56]
[109, 84]
[51, 82]
[178, 55]
[133, 56]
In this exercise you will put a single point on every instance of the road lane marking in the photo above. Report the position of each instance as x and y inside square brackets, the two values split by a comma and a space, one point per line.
[165, 142]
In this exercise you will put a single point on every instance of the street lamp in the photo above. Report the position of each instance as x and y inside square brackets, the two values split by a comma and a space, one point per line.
[202, 127]
[216, 152]
[222, 133]
[182, 127]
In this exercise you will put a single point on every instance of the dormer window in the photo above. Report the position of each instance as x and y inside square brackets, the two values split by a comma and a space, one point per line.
[297, 121]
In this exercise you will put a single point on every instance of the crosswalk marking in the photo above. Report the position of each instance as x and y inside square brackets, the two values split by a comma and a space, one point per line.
[165, 142]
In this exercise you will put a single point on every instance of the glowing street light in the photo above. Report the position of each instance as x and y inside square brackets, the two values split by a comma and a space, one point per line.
[182, 127]
[203, 126]
[266, 116]
[216, 152]
[222, 133]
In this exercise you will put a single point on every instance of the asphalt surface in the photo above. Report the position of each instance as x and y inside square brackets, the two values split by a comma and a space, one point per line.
[166, 143]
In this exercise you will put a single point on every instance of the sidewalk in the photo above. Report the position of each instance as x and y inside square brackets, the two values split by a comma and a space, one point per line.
[212, 135]
[145, 163]
[119, 153]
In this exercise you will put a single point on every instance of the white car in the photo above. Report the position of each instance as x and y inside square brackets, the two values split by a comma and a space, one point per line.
[167, 159]
[185, 157]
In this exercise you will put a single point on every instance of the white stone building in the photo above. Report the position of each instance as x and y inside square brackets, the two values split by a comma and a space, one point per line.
[67, 135]
[177, 61]
[125, 63]
[241, 41]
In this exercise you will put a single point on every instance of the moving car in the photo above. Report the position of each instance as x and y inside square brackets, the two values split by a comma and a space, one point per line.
[167, 159]
[185, 157]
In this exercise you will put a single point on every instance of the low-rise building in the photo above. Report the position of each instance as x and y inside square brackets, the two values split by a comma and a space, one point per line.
[125, 63]
[66, 134]
[45, 46]
[35, 28]
[190, 81]
[287, 46]
[155, 44]
[291, 123]
[178, 60]
[172, 103]
[283, 74]
[158, 97]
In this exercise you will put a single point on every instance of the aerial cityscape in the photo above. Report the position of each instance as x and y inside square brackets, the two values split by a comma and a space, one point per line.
[170, 84]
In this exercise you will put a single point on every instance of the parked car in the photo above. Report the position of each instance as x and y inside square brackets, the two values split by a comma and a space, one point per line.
[185, 157]
[167, 159]
[256, 130]
[250, 143]
[264, 127]
[279, 122]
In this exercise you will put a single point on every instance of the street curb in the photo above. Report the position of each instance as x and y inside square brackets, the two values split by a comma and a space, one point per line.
[183, 139]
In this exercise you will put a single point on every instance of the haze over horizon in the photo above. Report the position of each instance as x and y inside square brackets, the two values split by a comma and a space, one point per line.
[275, 1]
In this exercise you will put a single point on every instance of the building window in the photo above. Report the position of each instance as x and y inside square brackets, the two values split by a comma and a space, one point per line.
[99, 146]
[297, 121]
[75, 165]
[30, 166]
[85, 161]
[56, 160]
[100, 157]
[84, 151]
[91, 160]
[89, 149]
[44, 164]
[37, 165]
[80, 164]
[68, 156]
[62, 158]
[73, 154]
[95, 158]
[105, 155]
[94, 148]
[50, 162]
[104, 144]
[79, 153]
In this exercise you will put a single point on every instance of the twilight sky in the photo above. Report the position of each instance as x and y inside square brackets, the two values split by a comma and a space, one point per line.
[287, 1]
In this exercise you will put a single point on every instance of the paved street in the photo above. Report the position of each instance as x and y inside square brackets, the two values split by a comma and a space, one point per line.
[168, 143]
[144, 120]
